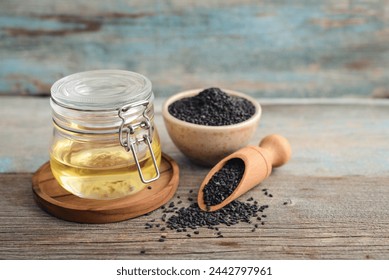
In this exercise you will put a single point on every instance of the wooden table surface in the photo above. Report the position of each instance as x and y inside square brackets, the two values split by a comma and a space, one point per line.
[336, 187]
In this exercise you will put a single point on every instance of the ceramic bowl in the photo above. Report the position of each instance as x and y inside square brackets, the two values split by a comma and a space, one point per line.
[207, 145]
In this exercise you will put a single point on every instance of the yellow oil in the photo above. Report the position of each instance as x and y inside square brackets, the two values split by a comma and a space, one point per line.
[101, 172]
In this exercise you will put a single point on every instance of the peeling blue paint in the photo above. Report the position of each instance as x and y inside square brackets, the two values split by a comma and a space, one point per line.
[5, 164]
[268, 50]
[32, 23]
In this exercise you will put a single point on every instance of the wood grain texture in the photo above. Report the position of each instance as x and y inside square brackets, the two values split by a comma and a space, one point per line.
[325, 218]
[266, 48]
[329, 201]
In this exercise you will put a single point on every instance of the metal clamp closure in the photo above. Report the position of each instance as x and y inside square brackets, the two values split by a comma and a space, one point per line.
[128, 139]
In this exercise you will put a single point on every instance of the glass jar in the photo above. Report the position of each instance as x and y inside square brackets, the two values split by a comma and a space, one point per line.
[104, 144]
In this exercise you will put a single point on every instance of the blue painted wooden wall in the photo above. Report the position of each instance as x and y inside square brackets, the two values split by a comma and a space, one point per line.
[284, 48]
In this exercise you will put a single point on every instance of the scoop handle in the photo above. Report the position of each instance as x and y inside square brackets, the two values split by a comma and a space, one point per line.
[277, 149]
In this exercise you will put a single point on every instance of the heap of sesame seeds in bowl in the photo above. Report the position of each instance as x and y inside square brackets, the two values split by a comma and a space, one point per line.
[208, 125]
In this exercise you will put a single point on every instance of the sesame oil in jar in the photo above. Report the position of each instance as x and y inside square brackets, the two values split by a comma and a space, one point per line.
[100, 173]
[90, 154]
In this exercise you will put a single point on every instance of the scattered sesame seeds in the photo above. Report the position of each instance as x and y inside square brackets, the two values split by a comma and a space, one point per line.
[189, 219]
[193, 217]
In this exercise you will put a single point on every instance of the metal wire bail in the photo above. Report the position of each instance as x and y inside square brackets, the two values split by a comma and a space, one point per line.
[127, 140]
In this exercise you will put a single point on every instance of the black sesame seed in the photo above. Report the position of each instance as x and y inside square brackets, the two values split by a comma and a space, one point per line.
[149, 187]
[196, 232]
[192, 217]
[143, 251]
[161, 240]
[212, 107]
[223, 183]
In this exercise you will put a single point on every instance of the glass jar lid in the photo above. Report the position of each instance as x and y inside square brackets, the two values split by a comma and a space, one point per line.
[93, 101]
[100, 90]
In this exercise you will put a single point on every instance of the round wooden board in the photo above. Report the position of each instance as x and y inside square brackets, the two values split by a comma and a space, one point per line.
[57, 201]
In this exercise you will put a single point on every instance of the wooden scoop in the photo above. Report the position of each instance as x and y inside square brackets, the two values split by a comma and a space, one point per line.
[273, 151]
